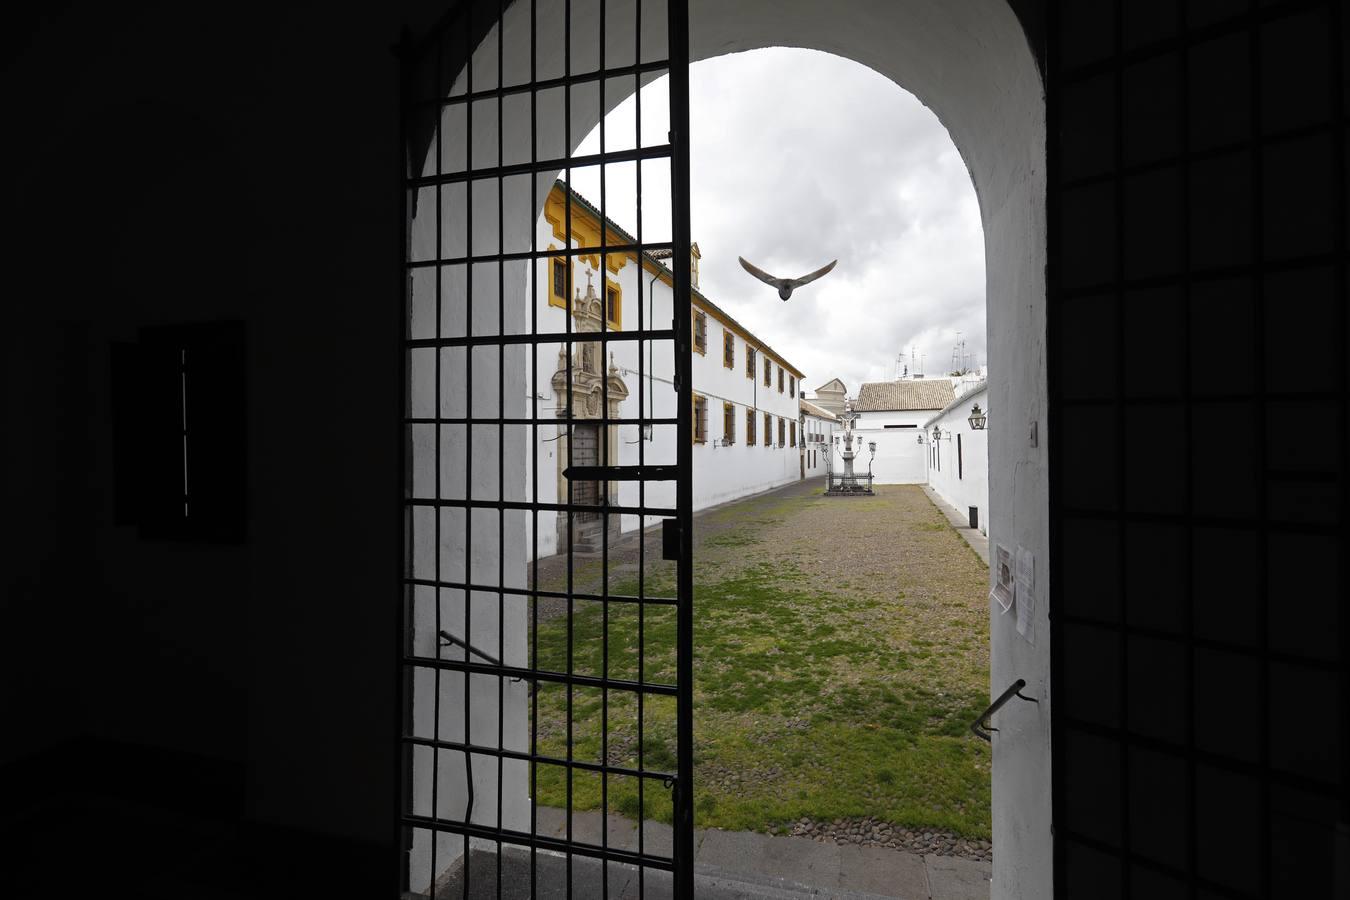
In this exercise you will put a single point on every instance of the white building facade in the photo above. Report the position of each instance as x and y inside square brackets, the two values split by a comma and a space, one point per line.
[817, 446]
[745, 411]
[892, 415]
[958, 454]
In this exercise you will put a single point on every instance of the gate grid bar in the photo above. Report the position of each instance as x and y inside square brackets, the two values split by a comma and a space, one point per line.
[452, 742]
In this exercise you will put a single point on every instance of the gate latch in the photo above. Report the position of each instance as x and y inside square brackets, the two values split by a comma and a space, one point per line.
[670, 539]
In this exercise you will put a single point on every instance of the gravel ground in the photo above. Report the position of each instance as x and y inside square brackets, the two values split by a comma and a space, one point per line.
[870, 832]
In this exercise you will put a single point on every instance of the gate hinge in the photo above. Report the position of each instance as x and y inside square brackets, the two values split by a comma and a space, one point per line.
[670, 539]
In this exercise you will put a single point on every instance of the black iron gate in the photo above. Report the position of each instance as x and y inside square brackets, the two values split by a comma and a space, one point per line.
[545, 673]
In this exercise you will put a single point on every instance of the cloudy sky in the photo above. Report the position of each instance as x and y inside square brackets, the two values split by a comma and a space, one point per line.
[800, 157]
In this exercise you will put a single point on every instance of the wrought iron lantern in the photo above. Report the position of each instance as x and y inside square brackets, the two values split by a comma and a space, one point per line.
[920, 437]
[937, 433]
[872, 447]
[977, 418]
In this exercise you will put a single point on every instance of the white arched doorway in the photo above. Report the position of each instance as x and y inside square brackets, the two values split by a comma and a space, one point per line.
[970, 63]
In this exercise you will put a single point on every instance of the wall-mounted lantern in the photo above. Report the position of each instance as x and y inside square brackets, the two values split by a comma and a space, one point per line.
[937, 433]
[872, 446]
[920, 437]
[977, 418]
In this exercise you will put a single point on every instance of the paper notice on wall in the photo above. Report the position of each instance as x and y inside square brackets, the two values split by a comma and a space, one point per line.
[1004, 585]
[1026, 594]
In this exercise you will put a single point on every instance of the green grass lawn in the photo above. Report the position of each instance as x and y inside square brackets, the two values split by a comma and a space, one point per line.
[815, 695]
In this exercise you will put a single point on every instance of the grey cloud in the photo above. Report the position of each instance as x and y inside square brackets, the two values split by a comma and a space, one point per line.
[798, 158]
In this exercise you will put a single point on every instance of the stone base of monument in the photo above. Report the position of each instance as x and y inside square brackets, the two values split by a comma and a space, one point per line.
[849, 486]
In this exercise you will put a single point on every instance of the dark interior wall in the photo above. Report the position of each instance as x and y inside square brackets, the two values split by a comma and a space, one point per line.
[1198, 323]
[185, 163]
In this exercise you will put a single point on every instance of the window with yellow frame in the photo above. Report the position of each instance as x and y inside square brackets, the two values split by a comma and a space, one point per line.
[700, 419]
[728, 348]
[557, 280]
[613, 304]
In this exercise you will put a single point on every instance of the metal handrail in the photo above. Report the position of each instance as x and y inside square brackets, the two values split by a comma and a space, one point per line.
[980, 727]
[448, 638]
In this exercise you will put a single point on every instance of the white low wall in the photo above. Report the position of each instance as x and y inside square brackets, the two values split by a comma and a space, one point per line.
[900, 458]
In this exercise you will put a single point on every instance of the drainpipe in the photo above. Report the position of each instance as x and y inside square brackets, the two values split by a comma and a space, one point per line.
[651, 311]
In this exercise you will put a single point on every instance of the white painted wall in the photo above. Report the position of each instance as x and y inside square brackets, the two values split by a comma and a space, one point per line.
[900, 458]
[818, 444]
[723, 473]
[971, 64]
[962, 483]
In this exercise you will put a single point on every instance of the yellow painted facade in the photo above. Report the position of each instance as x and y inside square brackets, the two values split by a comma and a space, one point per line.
[585, 227]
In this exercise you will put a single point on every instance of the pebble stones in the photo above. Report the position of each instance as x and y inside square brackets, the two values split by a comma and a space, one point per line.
[872, 832]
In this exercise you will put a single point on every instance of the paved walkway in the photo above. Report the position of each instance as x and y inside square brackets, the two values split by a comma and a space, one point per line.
[978, 541]
[751, 865]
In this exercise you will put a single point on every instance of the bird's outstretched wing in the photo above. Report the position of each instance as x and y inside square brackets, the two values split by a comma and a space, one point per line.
[761, 274]
[807, 279]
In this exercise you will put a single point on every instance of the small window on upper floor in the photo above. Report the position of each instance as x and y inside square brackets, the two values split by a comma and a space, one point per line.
[749, 363]
[780, 379]
[700, 332]
[614, 305]
[768, 372]
[728, 348]
[557, 285]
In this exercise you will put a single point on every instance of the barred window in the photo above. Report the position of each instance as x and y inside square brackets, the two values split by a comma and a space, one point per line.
[768, 372]
[700, 419]
[728, 348]
[782, 430]
[728, 423]
[768, 430]
[701, 332]
[749, 427]
[749, 362]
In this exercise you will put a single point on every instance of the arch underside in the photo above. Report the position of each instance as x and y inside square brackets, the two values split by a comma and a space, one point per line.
[970, 63]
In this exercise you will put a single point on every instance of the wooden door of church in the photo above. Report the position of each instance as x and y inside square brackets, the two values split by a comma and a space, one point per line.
[586, 452]
[522, 705]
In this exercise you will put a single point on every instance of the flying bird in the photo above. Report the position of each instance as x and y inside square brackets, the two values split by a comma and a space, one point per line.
[785, 285]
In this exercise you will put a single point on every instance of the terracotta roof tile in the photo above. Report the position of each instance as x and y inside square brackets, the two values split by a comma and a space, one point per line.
[880, 396]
